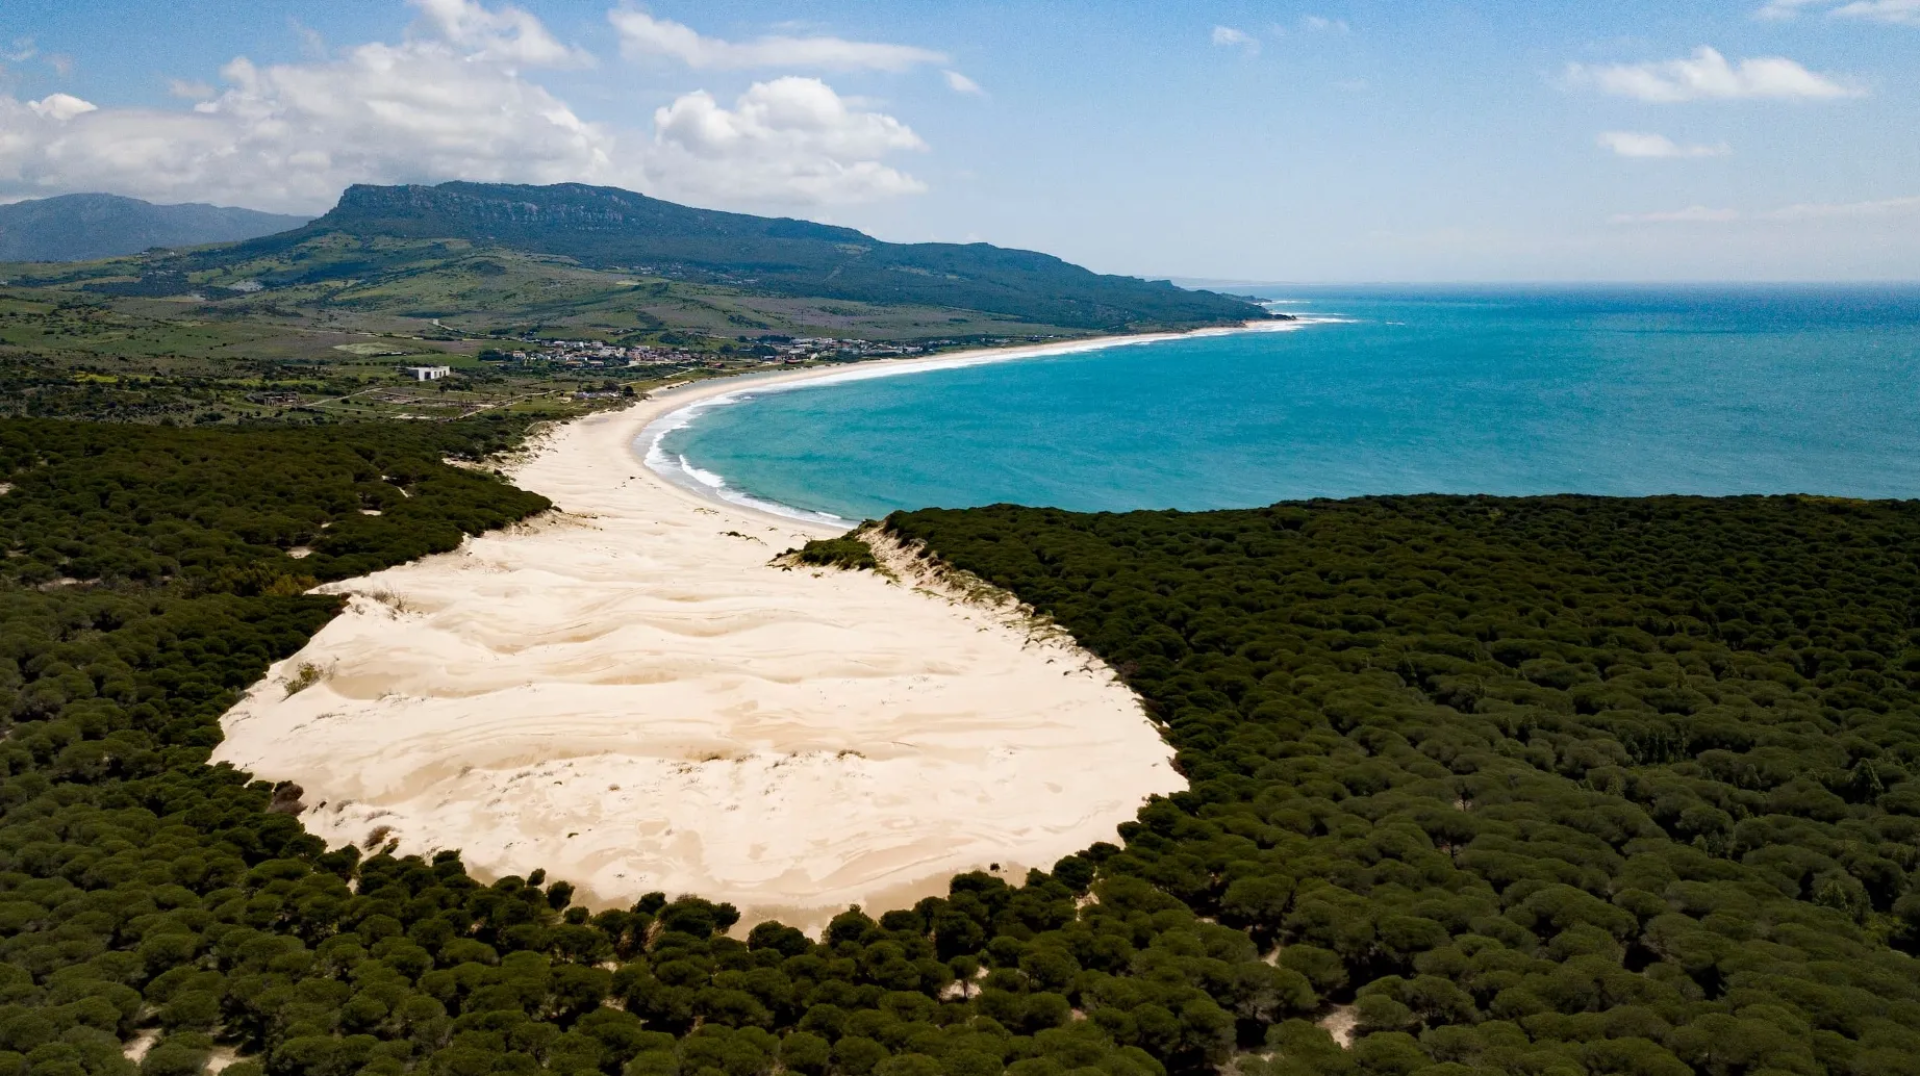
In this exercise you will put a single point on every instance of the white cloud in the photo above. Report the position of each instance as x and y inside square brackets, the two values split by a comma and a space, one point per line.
[1842, 210]
[291, 136]
[1324, 25]
[434, 108]
[1893, 12]
[791, 139]
[1707, 75]
[960, 83]
[1781, 10]
[1898, 12]
[506, 34]
[1643, 144]
[23, 50]
[1698, 214]
[189, 89]
[644, 37]
[1227, 37]
[313, 44]
[1805, 211]
[61, 107]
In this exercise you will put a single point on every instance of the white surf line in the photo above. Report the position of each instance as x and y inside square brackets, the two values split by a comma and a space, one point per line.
[677, 469]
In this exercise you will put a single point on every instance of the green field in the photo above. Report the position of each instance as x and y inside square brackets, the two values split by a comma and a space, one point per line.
[132, 339]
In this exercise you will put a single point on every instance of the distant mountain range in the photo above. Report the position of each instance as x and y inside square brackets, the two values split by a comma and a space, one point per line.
[605, 227]
[84, 227]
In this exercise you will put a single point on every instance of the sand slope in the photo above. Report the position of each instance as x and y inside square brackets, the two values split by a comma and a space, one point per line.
[630, 696]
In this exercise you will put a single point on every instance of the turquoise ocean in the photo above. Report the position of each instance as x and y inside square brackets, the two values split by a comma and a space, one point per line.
[1621, 391]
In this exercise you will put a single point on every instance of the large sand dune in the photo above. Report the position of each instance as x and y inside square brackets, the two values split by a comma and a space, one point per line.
[635, 699]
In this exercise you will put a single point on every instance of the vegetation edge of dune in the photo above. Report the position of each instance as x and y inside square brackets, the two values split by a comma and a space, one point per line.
[1435, 803]
[847, 552]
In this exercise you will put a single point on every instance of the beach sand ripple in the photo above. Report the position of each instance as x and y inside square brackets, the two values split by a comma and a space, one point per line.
[636, 700]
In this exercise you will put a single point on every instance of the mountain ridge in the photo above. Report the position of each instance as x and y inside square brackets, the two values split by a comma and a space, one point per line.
[87, 227]
[607, 227]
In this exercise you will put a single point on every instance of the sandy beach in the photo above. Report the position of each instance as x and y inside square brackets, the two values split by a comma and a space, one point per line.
[627, 693]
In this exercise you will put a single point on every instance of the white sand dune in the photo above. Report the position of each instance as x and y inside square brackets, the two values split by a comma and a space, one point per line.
[628, 696]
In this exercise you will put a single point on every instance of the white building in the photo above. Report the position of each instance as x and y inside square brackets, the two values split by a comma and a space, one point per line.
[427, 373]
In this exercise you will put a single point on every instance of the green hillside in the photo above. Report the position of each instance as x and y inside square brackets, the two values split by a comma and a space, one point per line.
[604, 227]
[167, 337]
[319, 319]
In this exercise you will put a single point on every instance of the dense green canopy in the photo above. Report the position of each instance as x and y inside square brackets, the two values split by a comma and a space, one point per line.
[145, 893]
[1544, 785]
[237, 512]
[1532, 787]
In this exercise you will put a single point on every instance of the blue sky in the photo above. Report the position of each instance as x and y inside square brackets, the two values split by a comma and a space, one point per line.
[1322, 141]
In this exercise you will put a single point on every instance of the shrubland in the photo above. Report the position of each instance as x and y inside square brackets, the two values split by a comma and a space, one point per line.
[1542, 785]
[152, 574]
[1538, 786]
[849, 553]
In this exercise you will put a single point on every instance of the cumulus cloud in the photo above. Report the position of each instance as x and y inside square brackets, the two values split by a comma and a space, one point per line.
[1643, 144]
[960, 83]
[450, 102]
[1707, 75]
[1892, 12]
[644, 37]
[505, 33]
[791, 139]
[1228, 37]
[61, 107]
[291, 136]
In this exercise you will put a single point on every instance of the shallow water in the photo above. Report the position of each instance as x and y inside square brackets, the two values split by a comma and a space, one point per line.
[1624, 391]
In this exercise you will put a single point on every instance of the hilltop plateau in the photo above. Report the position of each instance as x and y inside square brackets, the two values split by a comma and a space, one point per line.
[605, 227]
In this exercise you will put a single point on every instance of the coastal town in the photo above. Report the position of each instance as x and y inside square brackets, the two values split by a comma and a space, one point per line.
[767, 350]
[547, 375]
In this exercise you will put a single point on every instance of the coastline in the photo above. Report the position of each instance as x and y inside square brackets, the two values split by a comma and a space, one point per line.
[626, 693]
[686, 403]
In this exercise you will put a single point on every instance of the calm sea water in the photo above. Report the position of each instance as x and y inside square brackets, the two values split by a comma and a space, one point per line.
[1506, 391]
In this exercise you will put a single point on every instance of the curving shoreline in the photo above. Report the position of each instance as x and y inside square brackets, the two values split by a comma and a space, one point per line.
[627, 694]
[696, 397]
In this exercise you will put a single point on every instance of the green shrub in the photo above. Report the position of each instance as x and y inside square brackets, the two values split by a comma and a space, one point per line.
[849, 553]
